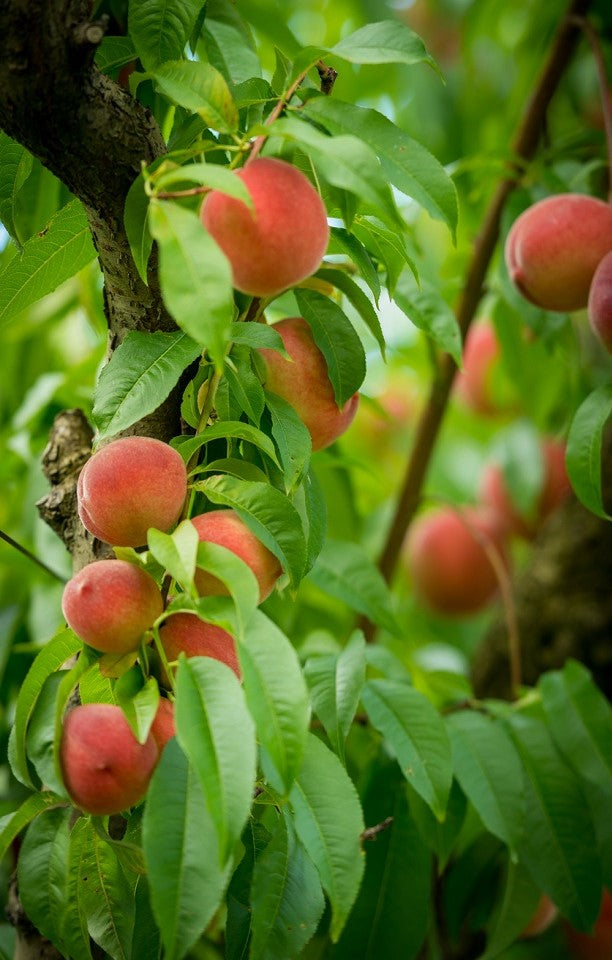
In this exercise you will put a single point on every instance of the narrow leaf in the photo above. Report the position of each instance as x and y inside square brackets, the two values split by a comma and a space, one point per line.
[359, 300]
[107, 897]
[583, 456]
[15, 168]
[160, 30]
[12, 824]
[226, 430]
[336, 684]
[177, 552]
[201, 89]
[292, 438]
[428, 311]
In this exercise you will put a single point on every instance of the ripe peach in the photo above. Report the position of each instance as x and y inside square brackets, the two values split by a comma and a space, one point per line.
[450, 569]
[600, 302]
[128, 486]
[481, 382]
[104, 767]
[110, 603]
[163, 728]
[278, 243]
[186, 633]
[543, 917]
[599, 946]
[305, 383]
[554, 247]
[555, 488]
[227, 529]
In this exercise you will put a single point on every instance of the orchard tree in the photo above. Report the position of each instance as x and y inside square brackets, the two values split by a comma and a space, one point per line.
[250, 709]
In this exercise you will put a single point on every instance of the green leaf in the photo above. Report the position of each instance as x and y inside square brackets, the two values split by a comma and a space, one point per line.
[517, 904]
[336, 684]
[583, 456]
[388, 41]
[277, 698]
[140, 374]
[235, 574]
[331, 839]
[358, 299]
[160, 30]
[138, 698]
[292, 438]
[408, 165]
[429, 312]
[41, 733]
[360, 257]
[15, 168]
[558, 846]
[87, 660]
[239, 914]
[268, 513]
[207, 175]
[136, 221]
[113, 53]
[177, 552]
[244, 385]
[344, 570]
[415, 732]
[345, 162]
[388, 248]
[55, 254]
[226, 429]
[42, 873]
[214, 728]
[336, 339]
[315, 511]
[440, 837]
[181, 852]
[12, 824]
[489, 771]
[201, 89]
[195, 276]
[257, 335]
[62, 646]
[107, 897]
[286, 897]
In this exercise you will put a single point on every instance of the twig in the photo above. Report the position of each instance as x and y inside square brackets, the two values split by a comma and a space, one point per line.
[13, 543]
[370, 833]
[589, 31]
[524, 147]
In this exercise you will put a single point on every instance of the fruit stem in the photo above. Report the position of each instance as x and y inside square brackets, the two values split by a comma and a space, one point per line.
[591, 34]
[26, 553]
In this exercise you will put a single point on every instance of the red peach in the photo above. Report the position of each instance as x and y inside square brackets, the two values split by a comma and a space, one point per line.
[105, 768]
[599, 946]
[163, 727]
[186, 633]
[128, 486]
[543, 917]
[281, 241]
[304, 382]
[227, 529]
[554, 247]
[480, 382]
[110, 603]
[600, 302]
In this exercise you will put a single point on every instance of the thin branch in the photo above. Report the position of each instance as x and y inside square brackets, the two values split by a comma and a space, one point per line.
[606, 103]
[26, 553]
[370, 833]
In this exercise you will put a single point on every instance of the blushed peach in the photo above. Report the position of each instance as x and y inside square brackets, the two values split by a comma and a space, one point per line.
[186, 633]
[600, 302]
[163, 727]
[227, 529]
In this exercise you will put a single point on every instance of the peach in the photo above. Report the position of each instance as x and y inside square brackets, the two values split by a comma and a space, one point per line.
[105, 768]
[163, 727]
[554, 247]
[481, 382]
[555, 489]
[543, 917]
[110, 603]
[598, 946]
[600, 302]
[186, 633]
[451, 571]
[227, 529]
[128, 486]
[282, 240]
[304, 382]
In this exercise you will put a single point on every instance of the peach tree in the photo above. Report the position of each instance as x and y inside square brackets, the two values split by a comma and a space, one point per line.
[235, 744]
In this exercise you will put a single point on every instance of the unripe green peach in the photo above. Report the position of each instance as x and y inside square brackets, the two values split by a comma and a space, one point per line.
[554, 247]
[304, 382]
[186, 633]
[451, 570]
[227, 529]
[163, 727]
[282, 240]
[110, 603]
[105, 768]
[128, 486]
[600, 302]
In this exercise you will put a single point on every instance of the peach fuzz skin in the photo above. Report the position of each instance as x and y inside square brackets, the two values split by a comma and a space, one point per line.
[110, 603]
[304, 382]
[186, 633]
[451, 571]
[105, 769]
[163, 727]
[226, 528]
[554, 247]
[281, 241]
[128, 486]
[600, 302]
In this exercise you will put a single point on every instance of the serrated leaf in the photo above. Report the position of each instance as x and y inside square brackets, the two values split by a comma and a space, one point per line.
[42, 872]
[181, 853]
[388, 41]
[195, 277]
[139, 376]
[344, 570]
[429, 312]
[409, 166]
[583, 455]
[350, 245]
[336, 684]
[489, 771]
[388, 248]
[414, 730]
[216, 732]
[239, 914]
[440, 837]
[268, 513]
[286, 897]
[245, 387]
[41, 732]
[15, 168]
[277, 698]
[138, 698]
[107, 897]
[55, 254]
[201, 89]
[160, 30]
[177, 552]
[226, 429]
[12, 824]
[257, 335]
[332, 842]
[207, 175]
[292, 438]
[73, 919]
[336, 339]
[341, 281]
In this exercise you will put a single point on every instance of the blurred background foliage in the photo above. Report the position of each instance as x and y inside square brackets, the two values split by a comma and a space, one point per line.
[489, 53]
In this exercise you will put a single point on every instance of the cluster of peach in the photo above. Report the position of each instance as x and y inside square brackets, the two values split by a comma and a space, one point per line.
[136, 483]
